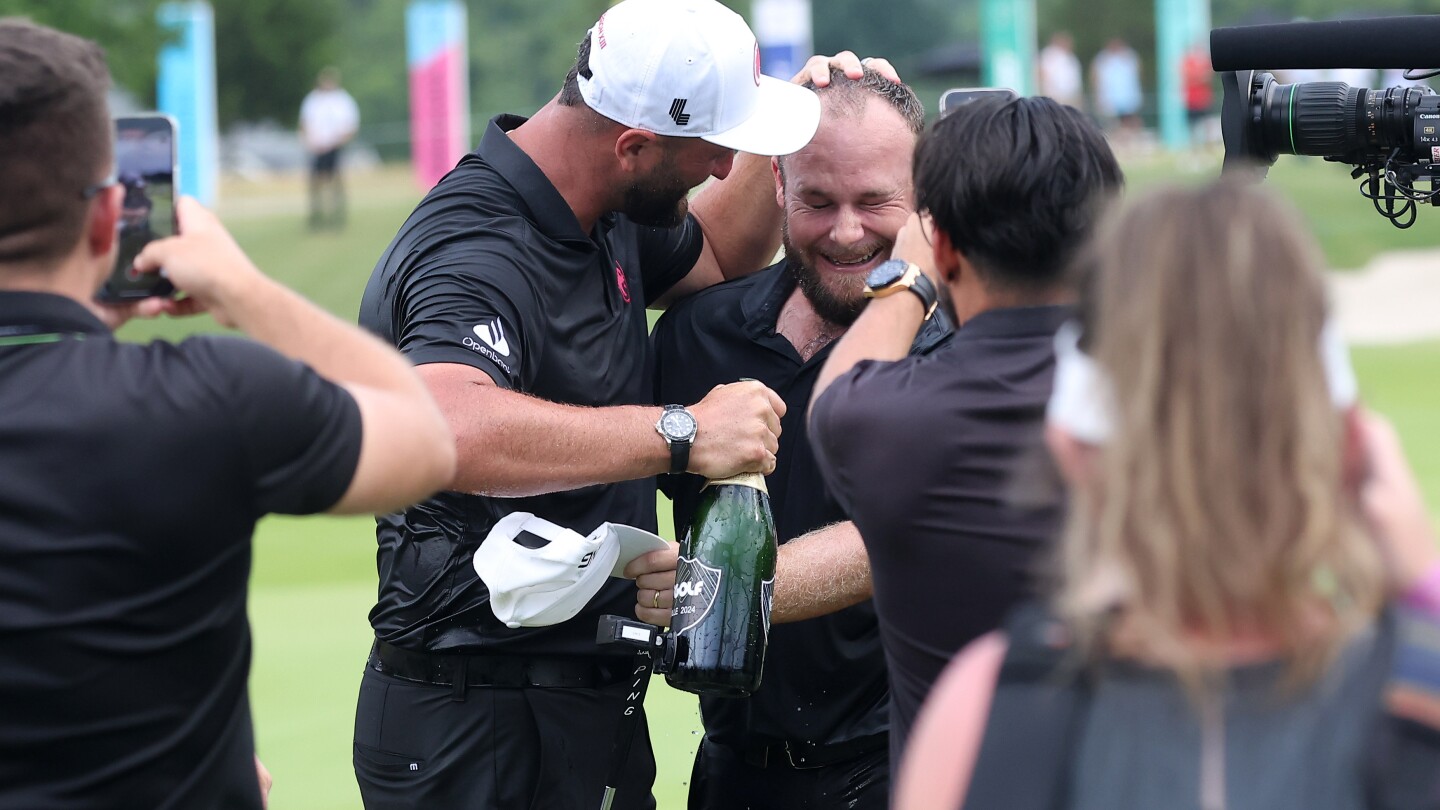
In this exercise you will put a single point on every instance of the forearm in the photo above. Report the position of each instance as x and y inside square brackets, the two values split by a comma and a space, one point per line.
[740, 217]
[513, 445]
[884, 331]
[278, 317]
[820, 572]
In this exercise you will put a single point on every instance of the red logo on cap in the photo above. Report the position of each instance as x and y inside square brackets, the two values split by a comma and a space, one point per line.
[622, 283]
[757, 64]
[600, 32]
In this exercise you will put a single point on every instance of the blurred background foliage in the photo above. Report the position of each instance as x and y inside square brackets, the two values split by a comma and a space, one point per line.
[268, 51]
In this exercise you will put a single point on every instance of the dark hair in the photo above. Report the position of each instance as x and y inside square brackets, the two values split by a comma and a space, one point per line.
[570, 92]
[1017, 185]
[55, 139]
[850, 94]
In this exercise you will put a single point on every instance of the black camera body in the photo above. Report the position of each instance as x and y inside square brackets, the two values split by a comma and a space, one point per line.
[1389, 136]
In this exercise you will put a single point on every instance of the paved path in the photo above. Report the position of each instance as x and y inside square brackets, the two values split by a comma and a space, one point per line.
[1395, 299]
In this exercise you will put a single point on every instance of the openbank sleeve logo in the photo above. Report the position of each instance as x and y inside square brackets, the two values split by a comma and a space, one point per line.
[493, 334]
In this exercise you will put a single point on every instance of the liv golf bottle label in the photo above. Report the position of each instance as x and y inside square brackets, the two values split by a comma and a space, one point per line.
[696, 586]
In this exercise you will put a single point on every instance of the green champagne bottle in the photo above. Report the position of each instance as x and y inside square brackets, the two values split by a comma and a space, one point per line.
[723, 587]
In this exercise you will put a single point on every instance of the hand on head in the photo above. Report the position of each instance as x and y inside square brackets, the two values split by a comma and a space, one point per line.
[817, 68]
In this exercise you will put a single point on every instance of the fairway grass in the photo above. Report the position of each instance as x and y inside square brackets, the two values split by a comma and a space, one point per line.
[314, 578]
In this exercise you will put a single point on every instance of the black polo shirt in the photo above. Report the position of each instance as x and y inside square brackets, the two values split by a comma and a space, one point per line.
[922, 453]
[492, 271]
[824, 679]
[131, 478]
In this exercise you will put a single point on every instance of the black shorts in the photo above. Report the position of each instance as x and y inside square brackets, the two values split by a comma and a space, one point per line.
[723, 780]
[326, 162]
[416, 746]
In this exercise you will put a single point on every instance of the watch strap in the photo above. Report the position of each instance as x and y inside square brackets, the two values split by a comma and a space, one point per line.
[925, 290]
[679, 455]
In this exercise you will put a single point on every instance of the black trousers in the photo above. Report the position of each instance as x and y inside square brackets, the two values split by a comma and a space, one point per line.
[723, 780]
[416, 746]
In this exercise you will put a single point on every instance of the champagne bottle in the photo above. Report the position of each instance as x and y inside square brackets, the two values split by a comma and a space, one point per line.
[723, 587]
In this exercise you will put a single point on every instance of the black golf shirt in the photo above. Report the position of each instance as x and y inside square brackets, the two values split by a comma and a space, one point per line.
[922, 452]
[824, 680]
[492, 271]
[131, 478]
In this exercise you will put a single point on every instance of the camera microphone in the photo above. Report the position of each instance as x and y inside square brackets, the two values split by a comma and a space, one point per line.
[1388, 42]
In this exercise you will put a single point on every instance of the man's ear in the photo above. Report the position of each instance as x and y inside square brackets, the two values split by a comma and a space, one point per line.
[638, 150]
[100, 229]
[947, 259]
[779, 182]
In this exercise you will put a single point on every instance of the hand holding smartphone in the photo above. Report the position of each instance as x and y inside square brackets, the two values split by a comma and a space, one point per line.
[145, 164]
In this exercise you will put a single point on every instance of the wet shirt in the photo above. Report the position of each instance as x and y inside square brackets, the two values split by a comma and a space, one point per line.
[824, 679]
[922, 454]
[492, 271]
[131, 478]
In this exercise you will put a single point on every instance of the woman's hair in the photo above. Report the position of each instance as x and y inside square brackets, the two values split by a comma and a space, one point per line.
[1218, 507]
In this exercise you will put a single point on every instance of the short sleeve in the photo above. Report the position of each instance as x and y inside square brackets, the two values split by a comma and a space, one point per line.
[845, 423]
[300, 433]
[667, 255]
[470, 307]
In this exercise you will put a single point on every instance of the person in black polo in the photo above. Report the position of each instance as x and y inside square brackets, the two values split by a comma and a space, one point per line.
[921, 450]
[132, 476]
[519, 287]
[814, 735]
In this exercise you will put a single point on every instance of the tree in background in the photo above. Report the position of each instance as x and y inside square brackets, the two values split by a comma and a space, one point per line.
[267, 53]
[126, 29]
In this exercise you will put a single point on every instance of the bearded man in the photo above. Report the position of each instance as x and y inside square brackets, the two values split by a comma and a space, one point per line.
[815, 734]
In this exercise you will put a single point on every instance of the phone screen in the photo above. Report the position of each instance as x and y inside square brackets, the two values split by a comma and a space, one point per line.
[957, 96]
[145, 166]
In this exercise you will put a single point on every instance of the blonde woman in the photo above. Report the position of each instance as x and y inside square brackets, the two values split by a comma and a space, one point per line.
[1221, 636]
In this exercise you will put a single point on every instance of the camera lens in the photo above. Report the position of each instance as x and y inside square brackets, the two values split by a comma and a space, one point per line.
[1314, 118]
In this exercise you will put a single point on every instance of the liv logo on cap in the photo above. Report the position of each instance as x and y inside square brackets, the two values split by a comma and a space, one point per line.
[691, 68]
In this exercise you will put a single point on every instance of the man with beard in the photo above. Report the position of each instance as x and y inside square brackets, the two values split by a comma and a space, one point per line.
[815, 734]
[519, 287]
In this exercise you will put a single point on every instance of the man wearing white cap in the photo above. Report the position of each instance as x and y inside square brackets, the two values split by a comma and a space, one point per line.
[519, 288]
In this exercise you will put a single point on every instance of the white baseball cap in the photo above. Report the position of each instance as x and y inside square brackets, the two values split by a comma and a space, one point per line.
[541, 574]
[691, 68]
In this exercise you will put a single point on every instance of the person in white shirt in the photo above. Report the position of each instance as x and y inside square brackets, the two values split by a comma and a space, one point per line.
[329, 118]
[1060, 71]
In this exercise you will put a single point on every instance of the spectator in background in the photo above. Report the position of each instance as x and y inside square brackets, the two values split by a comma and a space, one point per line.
[1198, 80]
[132, 476]
[1115, 80]
[1060, 71]
[329, 119]
[1218, 637]
[919, 449]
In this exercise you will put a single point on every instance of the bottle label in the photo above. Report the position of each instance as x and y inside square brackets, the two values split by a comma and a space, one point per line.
[767, 594]
[752, 480]
[696, 587]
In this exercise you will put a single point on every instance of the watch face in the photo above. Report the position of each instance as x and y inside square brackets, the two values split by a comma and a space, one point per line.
[678, 425]
[886, 273]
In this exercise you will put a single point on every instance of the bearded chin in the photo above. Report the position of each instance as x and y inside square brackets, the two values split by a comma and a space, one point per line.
[655, 209]
[829, 306]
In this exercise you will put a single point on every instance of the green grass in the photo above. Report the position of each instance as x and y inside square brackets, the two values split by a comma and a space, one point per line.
[314, 578]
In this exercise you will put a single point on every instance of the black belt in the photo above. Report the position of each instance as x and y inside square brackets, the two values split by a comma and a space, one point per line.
[809, 755]
[504, 671]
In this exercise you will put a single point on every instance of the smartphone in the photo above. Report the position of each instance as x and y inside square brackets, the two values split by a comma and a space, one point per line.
[145, 165]
[955, 96]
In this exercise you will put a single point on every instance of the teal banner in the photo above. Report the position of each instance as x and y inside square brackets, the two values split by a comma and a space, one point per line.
[186, 91]
[1007, 39]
